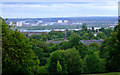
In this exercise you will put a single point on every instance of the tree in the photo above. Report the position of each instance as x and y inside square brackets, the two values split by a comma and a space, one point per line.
[60, 35]
[0, 44]
[35, 36]
[54, 48]
[81, 33]
[113, 58]
[93, 30]
[101, 35]
[108, 32]
[53, 37]
[74, 40]
[73, 60]
[55, 34]
[42, 70]
[102, 29]
[54, 66]
[84, 27]
[42, 49]
[59, 68]
[85, 37]
[68, 33]
[110, 50]
[90, 35]
[39, 52]
[91, 64]
[64, 45]
[104, 48]
[44, 38]
[94, 38]
[69, 61]
[82, 48]
[18, 56]
[94, 46]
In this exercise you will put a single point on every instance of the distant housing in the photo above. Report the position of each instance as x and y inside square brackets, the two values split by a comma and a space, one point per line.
[88, 42]
[19, 23]
[59, 21]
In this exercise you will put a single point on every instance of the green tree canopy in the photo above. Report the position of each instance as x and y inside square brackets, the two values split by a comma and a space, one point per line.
[101, 35]
[113, 58]
[18, 56]
[84, 27]
[91, 64]
[69, 61]
[74, 40]
[110, 50]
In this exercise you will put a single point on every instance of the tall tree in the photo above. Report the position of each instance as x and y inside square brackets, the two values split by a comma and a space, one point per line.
[18, 56]
[91, 64]
[110, 50]
[101, 35]
[113, 58]
[84, 27]
[54, 66]
[69, 61]
[74, 40]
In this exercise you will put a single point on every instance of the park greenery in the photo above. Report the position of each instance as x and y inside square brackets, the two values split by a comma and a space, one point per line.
[35, 56]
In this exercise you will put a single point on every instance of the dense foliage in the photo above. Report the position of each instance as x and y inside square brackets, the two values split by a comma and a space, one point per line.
[92, 64]
[60, 52]
[69, 61]
[17, 54]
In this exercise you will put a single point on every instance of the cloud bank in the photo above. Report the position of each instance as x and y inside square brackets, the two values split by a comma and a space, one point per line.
[56, 9]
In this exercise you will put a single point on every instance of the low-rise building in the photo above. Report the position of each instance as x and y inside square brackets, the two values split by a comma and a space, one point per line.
[88, 42]
[59, 21]
[12, 23]
[66, 21]
[19, 24]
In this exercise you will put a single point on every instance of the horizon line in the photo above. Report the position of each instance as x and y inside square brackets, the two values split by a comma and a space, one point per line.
[65, 16]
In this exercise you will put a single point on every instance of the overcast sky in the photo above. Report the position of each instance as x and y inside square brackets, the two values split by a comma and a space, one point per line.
[59, 8]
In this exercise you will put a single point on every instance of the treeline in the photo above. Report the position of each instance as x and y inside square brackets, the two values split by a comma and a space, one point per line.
[84, 34]
[49, 27]
[34, 56]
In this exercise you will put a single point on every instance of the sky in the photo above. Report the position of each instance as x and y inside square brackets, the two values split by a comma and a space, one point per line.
[58, 8]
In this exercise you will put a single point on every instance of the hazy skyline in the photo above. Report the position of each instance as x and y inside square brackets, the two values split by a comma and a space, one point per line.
[64, 8]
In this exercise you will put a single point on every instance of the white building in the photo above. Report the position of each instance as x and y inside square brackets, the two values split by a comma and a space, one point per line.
[19, 24]
[95, 28]
[40, 21]
[11, 23]
[65, 21]
[59, 21]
